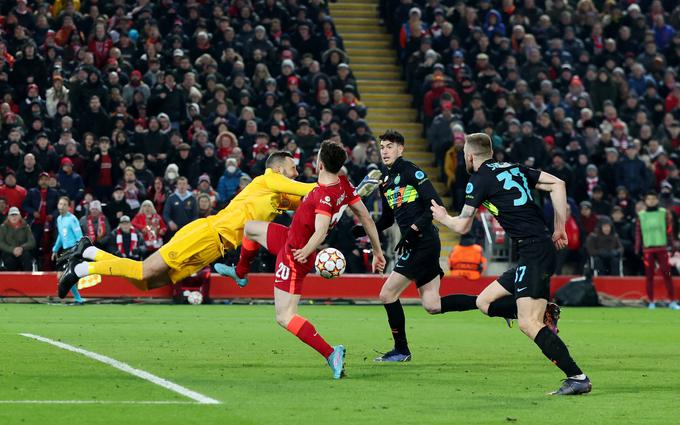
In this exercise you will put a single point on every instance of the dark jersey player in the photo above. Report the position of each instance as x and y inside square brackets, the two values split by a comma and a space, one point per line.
[295, 247]
[407, 194]
[506, 191]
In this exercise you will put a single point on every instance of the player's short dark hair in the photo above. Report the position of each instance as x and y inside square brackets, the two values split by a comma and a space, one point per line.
[332, 155]
[68, 200]
[262, 135]
[392, 136]
[277, 158]
[651, 193]
[479, 144]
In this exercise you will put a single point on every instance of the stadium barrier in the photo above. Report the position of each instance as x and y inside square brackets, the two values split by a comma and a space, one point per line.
[349, 287]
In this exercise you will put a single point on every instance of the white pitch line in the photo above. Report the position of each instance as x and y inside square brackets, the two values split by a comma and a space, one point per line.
[93, 402]
[198, 397]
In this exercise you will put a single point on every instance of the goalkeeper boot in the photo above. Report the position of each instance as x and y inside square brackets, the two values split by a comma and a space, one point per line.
[551, 316]
[230, 271]
[75, 252]
[68, 277]
[337, 361]
[571, 386]
[394, 355]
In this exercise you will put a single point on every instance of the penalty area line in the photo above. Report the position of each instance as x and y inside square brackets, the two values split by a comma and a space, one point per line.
[197, 397]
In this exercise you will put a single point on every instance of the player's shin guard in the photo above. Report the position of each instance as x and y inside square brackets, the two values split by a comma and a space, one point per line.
[397, 321]
[458, 303]
[249, 250]
[554, 349]
[504, 307]
[306, 332]
[123, 267]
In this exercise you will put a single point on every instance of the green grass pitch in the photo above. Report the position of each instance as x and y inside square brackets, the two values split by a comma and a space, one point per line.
[466, 369]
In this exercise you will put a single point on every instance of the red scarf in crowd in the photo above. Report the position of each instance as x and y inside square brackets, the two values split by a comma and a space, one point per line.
[101, 227]
[119, 242]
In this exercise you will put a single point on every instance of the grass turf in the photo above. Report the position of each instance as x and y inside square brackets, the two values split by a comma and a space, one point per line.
[466, 369]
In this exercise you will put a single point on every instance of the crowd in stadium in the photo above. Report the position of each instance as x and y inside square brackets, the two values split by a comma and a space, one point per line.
[150, 114]
[588, 91]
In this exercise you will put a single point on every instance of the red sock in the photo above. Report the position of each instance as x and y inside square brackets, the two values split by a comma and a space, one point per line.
[248, 251]
[300, 327]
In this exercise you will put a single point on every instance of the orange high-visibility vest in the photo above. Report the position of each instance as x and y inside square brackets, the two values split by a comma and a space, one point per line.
[467, 261]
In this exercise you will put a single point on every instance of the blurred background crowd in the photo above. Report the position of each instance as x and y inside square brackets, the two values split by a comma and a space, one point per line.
[150, 114]
[586, 90]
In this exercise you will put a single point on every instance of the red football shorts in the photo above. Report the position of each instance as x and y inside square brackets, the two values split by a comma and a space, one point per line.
[289, 274]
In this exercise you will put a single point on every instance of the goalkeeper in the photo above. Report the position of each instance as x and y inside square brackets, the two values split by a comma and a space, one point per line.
[200, 242]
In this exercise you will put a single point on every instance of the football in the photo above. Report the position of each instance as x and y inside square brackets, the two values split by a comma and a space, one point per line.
[195, 298]
[330, 263]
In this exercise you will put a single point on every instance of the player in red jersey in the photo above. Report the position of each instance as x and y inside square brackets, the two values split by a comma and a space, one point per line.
[295, 247]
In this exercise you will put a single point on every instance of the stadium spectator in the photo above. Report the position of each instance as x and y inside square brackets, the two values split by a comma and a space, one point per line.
[126, 241]
[16, 243]
[158, 193]
[71, 182]
[13, 193]
[117, 206]
[227, 186]
[133, 189]
[604, 247]
[152, 226]
[103, 170]
[180, 208]
[40, 207]
[205, 208]
[95, 225]
[27, 174]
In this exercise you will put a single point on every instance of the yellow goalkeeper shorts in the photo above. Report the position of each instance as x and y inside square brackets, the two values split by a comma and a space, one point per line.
[193, 247]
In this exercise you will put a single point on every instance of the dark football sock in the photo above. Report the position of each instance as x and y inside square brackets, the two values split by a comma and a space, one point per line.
[504, 307]
[458, 303]
[554, 349]
[397, 321]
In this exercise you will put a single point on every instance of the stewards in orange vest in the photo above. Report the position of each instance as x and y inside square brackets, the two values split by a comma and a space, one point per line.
[466, 259]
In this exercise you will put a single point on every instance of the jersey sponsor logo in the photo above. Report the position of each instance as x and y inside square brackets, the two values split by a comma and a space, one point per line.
[469, 188]
[326, 201]
[420, 175]
[497, 165]
[401, 195]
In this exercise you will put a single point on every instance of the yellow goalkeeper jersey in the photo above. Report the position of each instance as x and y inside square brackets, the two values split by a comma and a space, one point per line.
[262, 200]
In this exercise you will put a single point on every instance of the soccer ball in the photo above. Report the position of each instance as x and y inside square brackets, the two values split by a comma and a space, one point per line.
[195, 297]
[330, 263]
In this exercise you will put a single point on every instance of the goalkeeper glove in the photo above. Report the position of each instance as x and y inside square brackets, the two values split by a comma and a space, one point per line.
[369, 183]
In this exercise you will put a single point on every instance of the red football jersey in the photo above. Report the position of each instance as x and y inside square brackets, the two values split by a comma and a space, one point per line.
[330, 200]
